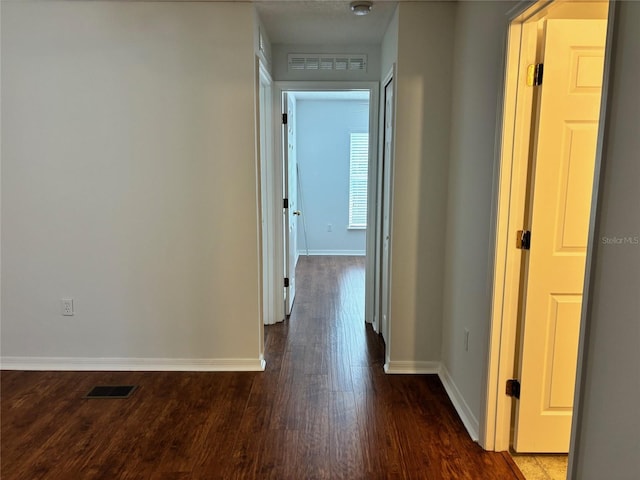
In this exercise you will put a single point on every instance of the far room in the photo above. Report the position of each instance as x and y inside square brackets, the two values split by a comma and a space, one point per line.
[329, 154]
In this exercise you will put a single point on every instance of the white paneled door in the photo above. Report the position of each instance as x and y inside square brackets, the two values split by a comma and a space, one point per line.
[387, 155]
[291, 211]
[565, 152]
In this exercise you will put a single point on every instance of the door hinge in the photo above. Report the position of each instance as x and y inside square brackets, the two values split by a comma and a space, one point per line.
[523, 240]
[534, 74]
[284, 118]
[285, 203]
[286, 282]
[513, 388]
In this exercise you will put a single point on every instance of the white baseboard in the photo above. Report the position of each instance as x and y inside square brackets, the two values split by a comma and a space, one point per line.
[357, 253]
[134, 364]
[410, 367]
[466, 415]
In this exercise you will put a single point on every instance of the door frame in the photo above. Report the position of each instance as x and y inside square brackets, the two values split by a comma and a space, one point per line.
[378, 272]
[372, 220]
[512, 143]
[267, 206]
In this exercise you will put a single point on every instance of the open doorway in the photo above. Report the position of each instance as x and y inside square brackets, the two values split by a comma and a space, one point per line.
[326, 155]
[292, 228]
[554, 78]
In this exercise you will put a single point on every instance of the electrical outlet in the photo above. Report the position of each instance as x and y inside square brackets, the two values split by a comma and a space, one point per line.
[67, 307]
[329, 227]
[466, 340]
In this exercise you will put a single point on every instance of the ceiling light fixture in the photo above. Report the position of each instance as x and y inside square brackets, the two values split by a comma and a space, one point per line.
[361, 7]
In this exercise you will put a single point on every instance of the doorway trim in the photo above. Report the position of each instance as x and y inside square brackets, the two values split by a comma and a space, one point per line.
[507, 217]
[281, 87]
[267, 209]
[379, 213]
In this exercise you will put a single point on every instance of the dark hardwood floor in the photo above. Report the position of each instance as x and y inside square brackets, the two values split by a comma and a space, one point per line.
[323, 408]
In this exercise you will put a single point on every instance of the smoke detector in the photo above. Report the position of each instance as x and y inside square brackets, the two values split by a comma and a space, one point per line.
[361, 7]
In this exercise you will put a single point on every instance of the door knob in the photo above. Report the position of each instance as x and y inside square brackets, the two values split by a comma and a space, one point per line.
[297, 212]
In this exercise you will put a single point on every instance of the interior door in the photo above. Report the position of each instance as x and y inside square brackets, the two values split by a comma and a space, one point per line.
[291, 195]
[386, 209]
[565, 151]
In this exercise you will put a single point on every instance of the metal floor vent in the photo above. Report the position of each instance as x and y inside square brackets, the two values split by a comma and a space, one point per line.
[111, 391]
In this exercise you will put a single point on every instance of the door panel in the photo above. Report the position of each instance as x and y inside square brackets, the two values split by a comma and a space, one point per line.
[291, 193]
[565, 151]
[386, 209]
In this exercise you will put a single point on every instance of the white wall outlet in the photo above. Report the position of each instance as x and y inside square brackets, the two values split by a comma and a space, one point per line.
[466, 340]
[329, 227]
[67, 307]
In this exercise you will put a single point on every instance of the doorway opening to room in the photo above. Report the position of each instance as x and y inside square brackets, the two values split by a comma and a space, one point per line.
[552, 108]
[325, 152]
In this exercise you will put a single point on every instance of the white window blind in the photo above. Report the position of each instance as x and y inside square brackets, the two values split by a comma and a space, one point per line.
[358, 168]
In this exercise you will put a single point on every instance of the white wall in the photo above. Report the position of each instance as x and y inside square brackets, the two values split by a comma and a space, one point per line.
[281, 63]
[126, 161]
[323, 143]
[423, 104]
[389, 47]
[607, 442]
[480, 35]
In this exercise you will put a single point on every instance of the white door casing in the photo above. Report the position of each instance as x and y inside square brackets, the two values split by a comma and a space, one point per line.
[565, 152]
[269, 210]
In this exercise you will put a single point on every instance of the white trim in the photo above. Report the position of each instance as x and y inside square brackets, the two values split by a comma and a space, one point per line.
[268, 209]
[358, 253]
[134, 364]
[510, 181]
[464, 412]
[375, 199]
[411, 367]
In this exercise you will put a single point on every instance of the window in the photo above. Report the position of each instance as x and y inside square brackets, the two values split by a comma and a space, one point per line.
[358, 168]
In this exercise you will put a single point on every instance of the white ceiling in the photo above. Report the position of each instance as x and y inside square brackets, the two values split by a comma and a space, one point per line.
[323, 22]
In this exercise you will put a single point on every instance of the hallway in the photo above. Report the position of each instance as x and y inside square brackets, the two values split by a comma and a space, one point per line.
[343, 417]
[322, 409]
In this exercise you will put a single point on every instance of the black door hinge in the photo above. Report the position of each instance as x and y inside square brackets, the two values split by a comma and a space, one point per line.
[284, 119]
[285, 203]
[513, 388]
[523, 240]
[534, 74]
[286, 282]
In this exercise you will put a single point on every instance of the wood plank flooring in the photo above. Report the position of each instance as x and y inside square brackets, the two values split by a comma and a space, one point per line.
[323, 409]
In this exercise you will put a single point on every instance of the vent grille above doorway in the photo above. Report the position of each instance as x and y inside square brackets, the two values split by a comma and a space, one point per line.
[327, 62]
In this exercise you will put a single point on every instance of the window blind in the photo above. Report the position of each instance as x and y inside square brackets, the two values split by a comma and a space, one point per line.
[358, 171]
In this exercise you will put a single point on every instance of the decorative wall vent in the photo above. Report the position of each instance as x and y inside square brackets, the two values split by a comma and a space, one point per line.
[327, 62]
